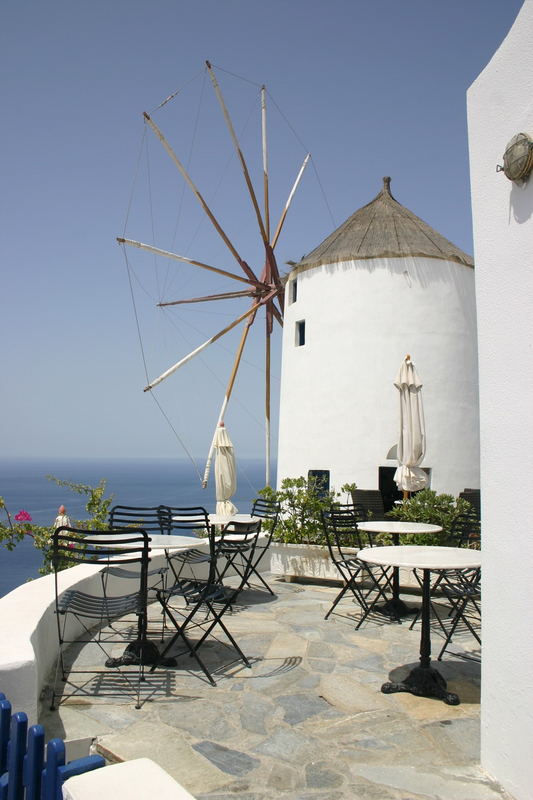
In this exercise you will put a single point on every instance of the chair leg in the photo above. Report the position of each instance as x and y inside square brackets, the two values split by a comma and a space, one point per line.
[217, 620]
[460, 608]
[338, 599]
[180, 634]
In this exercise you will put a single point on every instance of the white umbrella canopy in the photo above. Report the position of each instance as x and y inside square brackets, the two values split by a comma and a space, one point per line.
[225, 472]
[412, 440]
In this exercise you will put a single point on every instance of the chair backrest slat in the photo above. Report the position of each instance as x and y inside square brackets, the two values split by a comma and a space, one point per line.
[193, 520]
[149, 518]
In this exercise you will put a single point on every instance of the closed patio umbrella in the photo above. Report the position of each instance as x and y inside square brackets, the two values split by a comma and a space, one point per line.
[225, 471]
[412, 440]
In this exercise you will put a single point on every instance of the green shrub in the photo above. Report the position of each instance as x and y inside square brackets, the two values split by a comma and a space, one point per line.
[302, 500]
[436, 509]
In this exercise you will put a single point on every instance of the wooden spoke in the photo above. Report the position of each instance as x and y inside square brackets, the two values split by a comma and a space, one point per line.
[223, 296]
[229, 390]
[238, 151]
[167, 254]
[289, 201]
[197, 194]
[199, 349]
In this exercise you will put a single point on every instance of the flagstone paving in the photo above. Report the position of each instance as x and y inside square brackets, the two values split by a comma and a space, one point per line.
[307, 721]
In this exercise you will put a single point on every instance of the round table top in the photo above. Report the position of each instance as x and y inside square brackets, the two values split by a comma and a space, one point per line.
[223, 519]
[158, 541]
[416, 556]
[398, 526]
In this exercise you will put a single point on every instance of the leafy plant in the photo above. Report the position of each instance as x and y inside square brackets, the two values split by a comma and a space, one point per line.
[97, 505]
[13, 532]
[301, 500]
[436, 509]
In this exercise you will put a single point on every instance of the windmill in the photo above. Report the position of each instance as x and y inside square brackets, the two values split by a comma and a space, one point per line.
[264, 289]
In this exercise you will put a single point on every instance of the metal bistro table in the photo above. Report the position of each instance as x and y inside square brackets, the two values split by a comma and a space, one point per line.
[396, 528]
[424, 680]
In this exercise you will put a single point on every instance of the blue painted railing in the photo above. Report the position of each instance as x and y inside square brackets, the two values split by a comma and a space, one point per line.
[24, 772]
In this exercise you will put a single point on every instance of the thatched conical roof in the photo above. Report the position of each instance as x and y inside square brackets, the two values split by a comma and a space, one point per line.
[383, 229]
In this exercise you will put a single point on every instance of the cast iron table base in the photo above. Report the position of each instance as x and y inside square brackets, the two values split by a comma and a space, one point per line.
[423, 682]
[132, 655]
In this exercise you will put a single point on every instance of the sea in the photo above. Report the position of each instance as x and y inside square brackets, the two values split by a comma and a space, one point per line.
[24, 485]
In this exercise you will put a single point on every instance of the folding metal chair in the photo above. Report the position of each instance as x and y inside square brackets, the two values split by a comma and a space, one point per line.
[465, 531]
[268, 511]
[150, 519]
[367, 584]
[462, 589]
[191, 521]
[93, 613]
[206, 601]
[236, 547]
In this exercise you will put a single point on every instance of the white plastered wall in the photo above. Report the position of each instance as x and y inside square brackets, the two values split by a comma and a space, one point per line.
[500, 104]
[339, 409]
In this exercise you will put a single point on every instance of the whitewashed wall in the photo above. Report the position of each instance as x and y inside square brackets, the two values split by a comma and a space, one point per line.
[339, 408]
[500, 104]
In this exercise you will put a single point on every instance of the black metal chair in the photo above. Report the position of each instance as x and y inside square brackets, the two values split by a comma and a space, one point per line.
[462, 589]
[150, 519]
[367, 584]
[187, 521]
[236, 550]
[474, 498]
[372, 502]
[147, 517]
[466, 531]
[268, 511]
[93, 613]
[205, 601]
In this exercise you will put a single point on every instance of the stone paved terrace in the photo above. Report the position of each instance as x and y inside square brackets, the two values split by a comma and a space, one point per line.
[308, 721]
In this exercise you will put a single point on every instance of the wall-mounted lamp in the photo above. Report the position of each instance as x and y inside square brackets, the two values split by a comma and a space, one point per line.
[518, 158]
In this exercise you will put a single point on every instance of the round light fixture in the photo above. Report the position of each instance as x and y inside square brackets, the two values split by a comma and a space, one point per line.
[518, 158]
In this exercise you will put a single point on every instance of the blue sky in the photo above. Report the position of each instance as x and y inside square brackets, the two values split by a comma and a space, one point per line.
[369, 87]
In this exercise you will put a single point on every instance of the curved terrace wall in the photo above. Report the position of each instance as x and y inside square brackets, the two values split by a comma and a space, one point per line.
[28, 632]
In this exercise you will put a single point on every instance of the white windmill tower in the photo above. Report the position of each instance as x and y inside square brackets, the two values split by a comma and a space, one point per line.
[382, 285]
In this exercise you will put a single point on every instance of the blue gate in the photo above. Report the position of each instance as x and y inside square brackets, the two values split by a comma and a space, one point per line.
[25, 774]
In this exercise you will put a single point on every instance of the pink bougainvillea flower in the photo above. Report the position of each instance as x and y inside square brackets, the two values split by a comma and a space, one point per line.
[23, 516]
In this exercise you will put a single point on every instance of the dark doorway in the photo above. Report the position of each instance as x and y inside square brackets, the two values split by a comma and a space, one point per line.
[387, 487]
